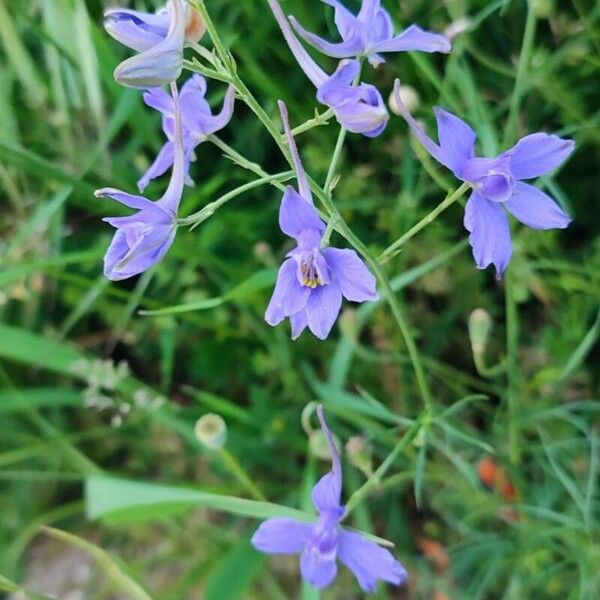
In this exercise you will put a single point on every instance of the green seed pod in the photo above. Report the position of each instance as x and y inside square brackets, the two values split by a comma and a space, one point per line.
[480, 325]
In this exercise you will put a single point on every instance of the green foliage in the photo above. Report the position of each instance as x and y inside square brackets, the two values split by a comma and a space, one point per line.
[108, 452]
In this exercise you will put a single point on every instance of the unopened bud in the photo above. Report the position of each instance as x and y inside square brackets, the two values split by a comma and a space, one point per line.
[480, 325]
[408, 96]
[195, 27]
[542, 8]
[359, 454]
[211, 431]
[457, 27]
[349, 323]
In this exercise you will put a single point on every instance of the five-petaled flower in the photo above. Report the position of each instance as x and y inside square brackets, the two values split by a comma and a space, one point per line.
[197, 123]
[496, 182]
[358, 107]
[158, 37]
[322, 543]
[370, 33]
[313, 279]
[143, 238]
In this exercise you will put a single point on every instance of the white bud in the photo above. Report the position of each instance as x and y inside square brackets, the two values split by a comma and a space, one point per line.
[211, 431]
[410, 99]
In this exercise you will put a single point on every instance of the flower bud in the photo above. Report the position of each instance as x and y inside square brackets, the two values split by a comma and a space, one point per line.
[211, 431]
[410, 99]
[359, 454]
[480, 325]
[457, 27]
[195, 27]
[542, 9]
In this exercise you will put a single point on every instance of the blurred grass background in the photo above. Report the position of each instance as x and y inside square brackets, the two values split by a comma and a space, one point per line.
[89, 386]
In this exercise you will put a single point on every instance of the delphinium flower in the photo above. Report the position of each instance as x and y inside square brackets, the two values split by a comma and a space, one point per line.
[359, 108]
[159, 38]
[197, 123]
[313, 279]
[497, 182]
[322, 543]
[370, 33]
[143, 238]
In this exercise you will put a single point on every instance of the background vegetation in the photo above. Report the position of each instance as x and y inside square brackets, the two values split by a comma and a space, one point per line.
[91, 386]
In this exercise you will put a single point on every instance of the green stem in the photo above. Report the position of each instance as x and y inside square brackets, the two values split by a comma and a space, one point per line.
[207, 211]
[521, 78]
[238, 472]
[452, 197]
[337, 152]
[375, 479]
[512, 369]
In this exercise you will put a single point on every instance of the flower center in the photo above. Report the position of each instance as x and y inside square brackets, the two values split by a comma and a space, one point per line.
[310, 273]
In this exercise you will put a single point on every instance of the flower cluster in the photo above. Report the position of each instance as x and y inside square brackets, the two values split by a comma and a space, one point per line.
[313, 277]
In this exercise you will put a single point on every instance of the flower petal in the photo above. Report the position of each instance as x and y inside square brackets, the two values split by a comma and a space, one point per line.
[289, 297]
[299, 321]
[281, 536]
[297, 215]
[352, 46]
[356, 281]
[537, 154]
[160, 166]
[323, 307]
[129, 200]
[161, 64]
[315, 569]
[368, 561]
[457, 139]
[345, 21]
[536, 209]
[414, 38]
[490, 234]
[136, 30]
[159, 100]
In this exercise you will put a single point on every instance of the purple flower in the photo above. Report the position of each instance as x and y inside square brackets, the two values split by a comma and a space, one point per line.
[158, 37]
[370, 32]
[358, 107]
[323, 542]
[496, 183]
[313, 279]
[197, 123]
[143, 238]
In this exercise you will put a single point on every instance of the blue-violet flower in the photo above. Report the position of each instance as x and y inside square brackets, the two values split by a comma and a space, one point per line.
[496, 182]
[142, 239]
[197, 122]
[357, 107]
[322, 543]
[370, 33]
[159, 38]
[313, 279]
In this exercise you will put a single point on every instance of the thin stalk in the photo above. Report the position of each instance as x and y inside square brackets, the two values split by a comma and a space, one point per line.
[452, 197]
[374, 480]
[520, 81]
[234, 467]
[207, 211]
[512, 370]
[337, 152]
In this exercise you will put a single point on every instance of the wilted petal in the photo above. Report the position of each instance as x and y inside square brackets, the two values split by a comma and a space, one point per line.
[289, 297]
[352, 46]
[414, 38]
[297, 215]
[536, 209]
[457, 139]
[136, 30]
[281, 536]
[322, 308]
[537, 154]
[368, 561]
[356, 281]
[162, 63]
[490, 234]
[317, 570]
